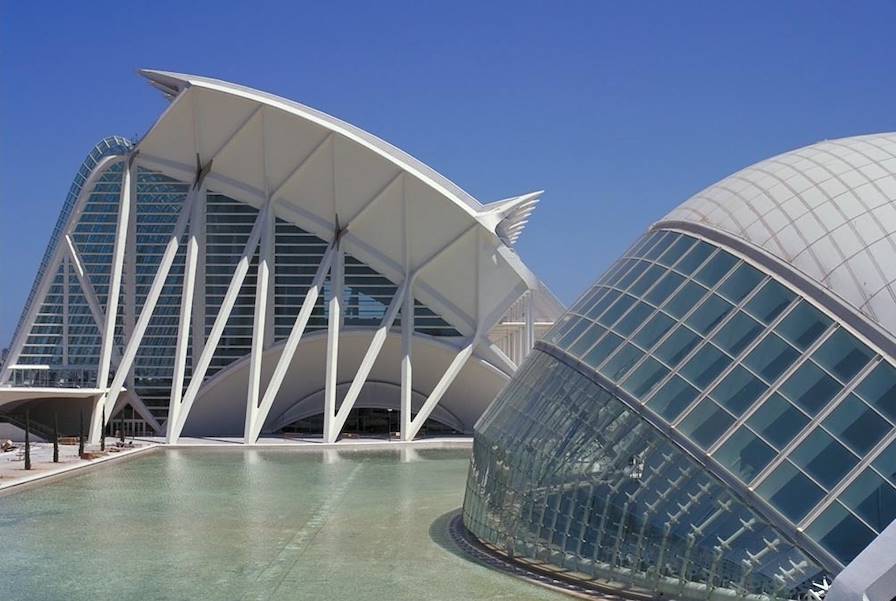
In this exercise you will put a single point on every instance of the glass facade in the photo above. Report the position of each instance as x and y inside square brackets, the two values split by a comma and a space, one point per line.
[711, 362]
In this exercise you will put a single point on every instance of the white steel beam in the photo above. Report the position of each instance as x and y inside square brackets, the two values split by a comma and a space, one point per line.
[407, 378]
[197, 228]
[373, 350]
[84, 280]
[334, 321]
[146, 312]
[214, 337]
[121, 234]
[260, 322]
[186, 308]
[530, 324]
[292, 342]
[65, 315]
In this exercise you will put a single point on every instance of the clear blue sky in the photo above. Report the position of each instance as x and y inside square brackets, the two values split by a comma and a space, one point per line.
[618, 110]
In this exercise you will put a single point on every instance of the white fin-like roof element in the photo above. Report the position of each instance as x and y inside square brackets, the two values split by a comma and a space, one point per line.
[827, 210]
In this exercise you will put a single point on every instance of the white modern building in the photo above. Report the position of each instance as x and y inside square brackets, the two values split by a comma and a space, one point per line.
[251, 264]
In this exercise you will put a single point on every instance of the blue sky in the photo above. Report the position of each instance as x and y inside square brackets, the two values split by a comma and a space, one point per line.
[619, 111]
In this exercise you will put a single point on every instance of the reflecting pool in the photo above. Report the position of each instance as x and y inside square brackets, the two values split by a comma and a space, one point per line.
[248, 524]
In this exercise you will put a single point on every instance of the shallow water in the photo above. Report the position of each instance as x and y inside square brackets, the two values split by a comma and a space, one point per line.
[248, 524]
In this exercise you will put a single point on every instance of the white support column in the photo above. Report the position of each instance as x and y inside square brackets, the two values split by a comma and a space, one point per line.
[373, 351]
[530, 325]
[334, 321]
[197, 225]
[211, 345]
[130, 269]
[186, 311]
[65, 315]
[84, 280]
[146, 312]
[407, 378]
[259, 326]
[121, 234]
[292, 342]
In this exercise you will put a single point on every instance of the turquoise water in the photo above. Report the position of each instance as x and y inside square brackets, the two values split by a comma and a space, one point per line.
[248, 524]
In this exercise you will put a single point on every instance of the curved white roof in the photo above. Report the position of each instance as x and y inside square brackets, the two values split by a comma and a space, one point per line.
[324, 174]
[828, 210]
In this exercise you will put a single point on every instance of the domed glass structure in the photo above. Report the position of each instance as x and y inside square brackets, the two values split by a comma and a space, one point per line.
[715, 416]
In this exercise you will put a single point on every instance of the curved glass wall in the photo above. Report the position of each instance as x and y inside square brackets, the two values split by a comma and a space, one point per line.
[773, 395]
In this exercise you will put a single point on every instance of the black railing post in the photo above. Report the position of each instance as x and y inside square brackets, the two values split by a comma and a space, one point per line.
[56, 437]
[103, 431]
[81, 435]
[27, 440]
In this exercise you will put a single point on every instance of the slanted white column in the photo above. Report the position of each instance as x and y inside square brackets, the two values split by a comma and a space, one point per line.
[146, 312]
[407, 378]
[530, 324]
[84, 280]
[130, 266]
[233, 290]
[292, 342]
[121, 234]
[184, 323]
[260, 323]
[373, 351]
[197, 229]
[65, 316]
[334, 321]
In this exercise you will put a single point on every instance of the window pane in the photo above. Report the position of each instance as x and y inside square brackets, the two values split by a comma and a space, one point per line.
[790, 491]
[706, 423]
[711, 312]
[645, 377]
[886, 462]
[856, 424]
[823, 458]
[621, 362]
[843, 355]
[771, 357]
[803, 325]
[768, 303]
[810, 388]
[705, 366]
[647, 280]
[677, 345]
[740, 283]
[672, 398]
[601, 305]
[720, 264]
[631, 275]
[574, 332]
[879, 389]
[778, 421]
[602, 349]
[685, 299]
[658, 248]
[615, 312]
[634, 318]
[653, 330]
[694, 258]
[666, 286]
[744, 454]
[591, 335]
[840, 532]
[738, 390]
[872, 498]
[674, 252]
[738, 333]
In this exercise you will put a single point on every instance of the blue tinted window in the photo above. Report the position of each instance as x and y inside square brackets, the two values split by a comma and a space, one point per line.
[771, 357]
[790, 491]
[653, 330]
[591, 335]
[740, 283]
[843, 355]
[645, 377]
[803, 325]
[685, 299]
[705, 365]
[694, 258]
[676, 250]
[769, 302]
[744, 454]
[709, 314]
[663, 243]
[778, 421]
[871, 498]
[856, 424]
[711, 273]
[647, 280]
[615, 312]
[601, 305]
[672, 398]
[666, 286]
[634, 318]
[823, 458]
[602, 349]
[885, 463]
[738, 390]
[810, 387]
[840, 532]
[879, 389]
[574, 332]
[621, 362]
[677, 346]
[631, 275]
[738, 333]
[706, 423]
